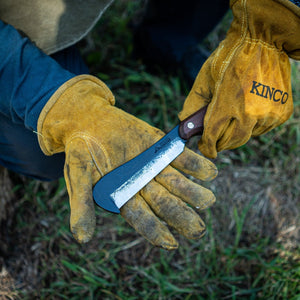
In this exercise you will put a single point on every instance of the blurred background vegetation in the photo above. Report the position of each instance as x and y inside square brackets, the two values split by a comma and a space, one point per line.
[251, 249]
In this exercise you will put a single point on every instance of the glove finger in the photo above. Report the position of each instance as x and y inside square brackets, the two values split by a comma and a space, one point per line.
[223, 132]
[196, 165]
[140, 216]
[78, 175]
[173, 211]
[265, 125]
[187, 190]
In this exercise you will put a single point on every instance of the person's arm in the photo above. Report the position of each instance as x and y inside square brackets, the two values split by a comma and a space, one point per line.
[246, 81]
[75, 115]
[28, 77]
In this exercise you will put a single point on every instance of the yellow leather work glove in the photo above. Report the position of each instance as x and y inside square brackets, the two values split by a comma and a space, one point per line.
[97, 137]
[246, 80]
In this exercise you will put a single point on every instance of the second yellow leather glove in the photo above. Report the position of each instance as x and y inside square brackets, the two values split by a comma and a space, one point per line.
[97, 137]
[246, 81]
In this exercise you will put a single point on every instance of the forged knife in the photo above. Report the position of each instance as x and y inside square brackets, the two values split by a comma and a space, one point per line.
[117, 187]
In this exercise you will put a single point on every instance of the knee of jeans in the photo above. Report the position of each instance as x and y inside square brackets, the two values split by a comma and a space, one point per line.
[49, 170]
[40, 168]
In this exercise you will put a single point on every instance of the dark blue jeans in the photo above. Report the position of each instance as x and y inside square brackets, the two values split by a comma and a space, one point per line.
[19, 148]
[171, 32]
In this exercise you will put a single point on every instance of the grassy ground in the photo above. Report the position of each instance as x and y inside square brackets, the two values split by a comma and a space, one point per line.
[251, 249]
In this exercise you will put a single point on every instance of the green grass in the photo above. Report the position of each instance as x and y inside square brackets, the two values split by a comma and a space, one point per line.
[239, 258]
[118, 264]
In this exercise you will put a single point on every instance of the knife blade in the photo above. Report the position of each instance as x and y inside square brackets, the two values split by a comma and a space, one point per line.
[117, 187]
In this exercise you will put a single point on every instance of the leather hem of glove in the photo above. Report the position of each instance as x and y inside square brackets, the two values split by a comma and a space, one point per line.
[58, 94]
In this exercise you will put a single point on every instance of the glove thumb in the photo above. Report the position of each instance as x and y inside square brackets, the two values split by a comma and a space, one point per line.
[78, 172]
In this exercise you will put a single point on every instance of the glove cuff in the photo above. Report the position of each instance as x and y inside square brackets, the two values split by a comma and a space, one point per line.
[291, 5]
[273, 22]
[68, 108]
[287, 3]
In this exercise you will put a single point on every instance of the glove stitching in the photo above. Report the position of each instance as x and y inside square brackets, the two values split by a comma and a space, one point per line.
[86, 137]
[264, 44]
[214, 64]
[234, 49]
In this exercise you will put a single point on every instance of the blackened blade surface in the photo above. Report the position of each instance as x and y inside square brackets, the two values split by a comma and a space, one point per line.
[121, 184]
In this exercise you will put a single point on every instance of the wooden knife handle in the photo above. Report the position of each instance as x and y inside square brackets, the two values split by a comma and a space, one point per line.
[193, 125]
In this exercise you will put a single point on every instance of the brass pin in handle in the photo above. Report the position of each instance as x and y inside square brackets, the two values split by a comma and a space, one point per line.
[193, 125]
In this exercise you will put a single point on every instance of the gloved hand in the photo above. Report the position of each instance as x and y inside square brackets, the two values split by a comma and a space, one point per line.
[246, 80]
[80, 120]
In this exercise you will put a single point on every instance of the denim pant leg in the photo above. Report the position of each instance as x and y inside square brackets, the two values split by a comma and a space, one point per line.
[19, 148]
[20, 152]
[172, 30]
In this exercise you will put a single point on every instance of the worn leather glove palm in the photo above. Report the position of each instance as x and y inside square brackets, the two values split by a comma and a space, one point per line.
[80, 120]
[246, 81]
